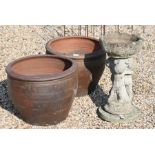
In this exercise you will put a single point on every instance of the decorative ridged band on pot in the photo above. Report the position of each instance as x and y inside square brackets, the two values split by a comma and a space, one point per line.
[42, 88]
[87, 53]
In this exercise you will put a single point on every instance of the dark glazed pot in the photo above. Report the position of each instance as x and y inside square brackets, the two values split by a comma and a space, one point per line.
[88, 53]
[42, 88]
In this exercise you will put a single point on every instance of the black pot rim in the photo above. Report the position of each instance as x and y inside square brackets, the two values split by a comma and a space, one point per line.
[38, 78]
[99, 52]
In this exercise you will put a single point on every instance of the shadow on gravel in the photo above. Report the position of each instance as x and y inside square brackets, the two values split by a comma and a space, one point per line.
[98, 97]
[5, 102]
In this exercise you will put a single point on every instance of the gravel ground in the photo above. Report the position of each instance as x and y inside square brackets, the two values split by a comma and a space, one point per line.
[19, 41]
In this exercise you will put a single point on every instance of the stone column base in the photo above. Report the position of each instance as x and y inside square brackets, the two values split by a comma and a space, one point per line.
[132, 116]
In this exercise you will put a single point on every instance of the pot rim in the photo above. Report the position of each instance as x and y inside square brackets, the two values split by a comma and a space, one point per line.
[98, 52]
[48, 77]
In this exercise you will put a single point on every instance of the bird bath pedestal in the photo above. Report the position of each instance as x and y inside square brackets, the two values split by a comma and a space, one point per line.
[120, 48]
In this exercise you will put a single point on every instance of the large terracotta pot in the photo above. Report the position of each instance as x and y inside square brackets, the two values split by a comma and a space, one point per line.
[88, 53]
[42, 88]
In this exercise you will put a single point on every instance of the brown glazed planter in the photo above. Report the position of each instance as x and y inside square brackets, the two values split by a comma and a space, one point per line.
[87, 53]
[42, 88]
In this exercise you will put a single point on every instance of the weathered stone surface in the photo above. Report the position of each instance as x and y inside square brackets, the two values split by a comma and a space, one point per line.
[121, 45]
[119, 106]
